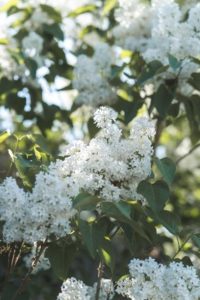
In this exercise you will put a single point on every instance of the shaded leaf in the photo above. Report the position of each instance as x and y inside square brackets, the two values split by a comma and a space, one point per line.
[61, 257]
[196, 239]
[92, 235]
[167, 168]
[156, 194]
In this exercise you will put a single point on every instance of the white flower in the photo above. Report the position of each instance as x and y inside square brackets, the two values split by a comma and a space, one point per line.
[110, 166]
[33, 217]
[153, 281]
[73, 289]
[156, 30]
[105, 116]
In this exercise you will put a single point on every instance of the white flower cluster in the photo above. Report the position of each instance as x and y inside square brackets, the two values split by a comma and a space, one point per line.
[92, 75]
[135, 20]
[110, 166]
[37, 18]
[162, 26]
[148, 280]
[8, 65]
[42, 264]
[153, 281]
[73, 289]
[35, 216]
[156, 30]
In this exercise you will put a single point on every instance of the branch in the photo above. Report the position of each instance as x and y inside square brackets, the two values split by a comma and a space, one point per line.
[187, 154]
[34, 264]
[100, 275]
[180, 248]
[159, 129]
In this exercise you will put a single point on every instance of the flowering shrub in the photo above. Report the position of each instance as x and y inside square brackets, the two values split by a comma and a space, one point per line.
[99, 161]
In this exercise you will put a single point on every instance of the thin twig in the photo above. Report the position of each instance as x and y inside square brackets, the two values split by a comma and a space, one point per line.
[114, 231]
[159, 129]
[100, 275]
[181, 247]
[17, 257]
[187, 154]
[34, 264]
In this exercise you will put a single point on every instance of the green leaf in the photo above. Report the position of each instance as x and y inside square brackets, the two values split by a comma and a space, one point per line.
[85, 201]
[40, 155]
[196, 239]
[54, 30]
[107, 254]
[167, 168]
[61, 257]
[169, 220]
[195, 80]
[8, 5]
[162, 99]
[24, 169]
[82, 10]
[53, 14]
[3, 136]
[121, 211]
[92, 128]
[92, 235]
[32, 66]
[173, 62]
[153, 68]
[108, 6]
[130, 108]
[156, 194]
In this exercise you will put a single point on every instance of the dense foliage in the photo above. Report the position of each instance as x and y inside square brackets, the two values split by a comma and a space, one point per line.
[99, 150]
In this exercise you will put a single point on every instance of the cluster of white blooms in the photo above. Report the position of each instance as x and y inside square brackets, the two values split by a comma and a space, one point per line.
[168, 30]
[8, 64]
[37, 19]
[92, 75]
[156, 30]
[110, 166]
[135, 20]
[13, 210]
[42, 264]
[73, 289]
[162, 26]
[35, 216]
[153, 281]
[148, 280]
